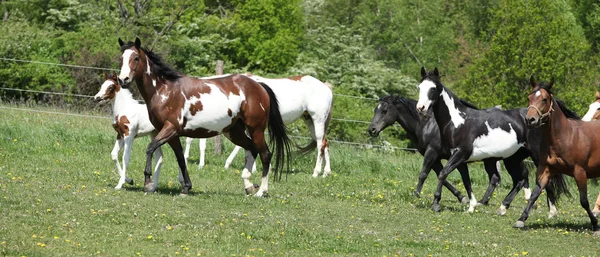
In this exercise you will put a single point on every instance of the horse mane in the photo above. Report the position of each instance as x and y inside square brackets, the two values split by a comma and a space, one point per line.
[159, 67]
[408, 103]
[569, 113]
[467, 104]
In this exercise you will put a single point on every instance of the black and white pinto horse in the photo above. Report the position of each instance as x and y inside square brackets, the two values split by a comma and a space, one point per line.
[474, 135]
[423, 132]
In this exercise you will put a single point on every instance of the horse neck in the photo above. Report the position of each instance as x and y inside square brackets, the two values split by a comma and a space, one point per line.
[447, 110]
[406, 120]
[123, 101]
[144, 84]
[557, 127]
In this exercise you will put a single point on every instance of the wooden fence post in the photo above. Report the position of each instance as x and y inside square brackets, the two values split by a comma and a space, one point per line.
[217, 140]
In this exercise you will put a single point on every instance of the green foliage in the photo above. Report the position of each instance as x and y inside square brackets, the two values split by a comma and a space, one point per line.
[531, 38]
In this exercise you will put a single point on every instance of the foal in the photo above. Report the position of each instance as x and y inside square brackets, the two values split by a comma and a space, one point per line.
[179, 105]
[130, 121]
[569, 146]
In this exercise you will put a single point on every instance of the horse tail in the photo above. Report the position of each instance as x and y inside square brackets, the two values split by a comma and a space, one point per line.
[277, 133]
[558, 185]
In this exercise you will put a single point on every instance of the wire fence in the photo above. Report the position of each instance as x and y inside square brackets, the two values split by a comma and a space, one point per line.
[139, 100]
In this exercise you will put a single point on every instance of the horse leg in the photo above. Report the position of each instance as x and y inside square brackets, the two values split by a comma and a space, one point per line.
[237, 135]
[314, 132]
[456, 159]
[463, 169]
[431, 161]
[543, 174]
[158, 155]
[581, 179]
[518, 175]
[128, 143]
[596, 210]
[232, 156]
[551, 199]
[258, 137]
[494, 177]
[188, 143]
[166, 134]
[114, 155]
[202, 152]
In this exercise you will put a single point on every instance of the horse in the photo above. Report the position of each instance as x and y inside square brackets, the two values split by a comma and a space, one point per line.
[233, 105]
[425, 134]
[569, 146]
[474, 135]
[130, 121]
[202, 143]
[301, 97]
[592, 114]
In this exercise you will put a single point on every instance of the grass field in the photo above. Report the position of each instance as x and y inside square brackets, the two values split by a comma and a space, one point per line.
[57, 199]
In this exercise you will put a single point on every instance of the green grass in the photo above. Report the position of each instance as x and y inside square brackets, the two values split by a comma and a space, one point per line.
[57, 199]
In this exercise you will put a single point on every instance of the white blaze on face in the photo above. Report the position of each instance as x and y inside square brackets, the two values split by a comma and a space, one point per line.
[590, 113]
[496, 143]
[125, 70]
[103, 88]
[455, 114]
[148, 66]
[424, 101]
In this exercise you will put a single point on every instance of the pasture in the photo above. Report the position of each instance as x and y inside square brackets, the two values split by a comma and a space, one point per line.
[57, 199]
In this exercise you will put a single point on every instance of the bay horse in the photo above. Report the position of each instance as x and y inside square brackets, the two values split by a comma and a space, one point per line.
[423, 132]
[233, 105]
[569, 146]
[130, 121]
[303, 97]
[474, 135]
[592, 114]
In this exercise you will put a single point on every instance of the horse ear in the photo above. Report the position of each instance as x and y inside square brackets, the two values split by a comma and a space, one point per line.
[436, 72]
[551, 83]
[121, 43]
[597, 95]
[532, 82]
[138, 43]
[423, 72]
[114, 75]
[105, 76]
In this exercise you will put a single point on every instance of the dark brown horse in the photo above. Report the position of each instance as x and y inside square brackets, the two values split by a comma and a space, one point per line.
[234, 105]
[568, 146]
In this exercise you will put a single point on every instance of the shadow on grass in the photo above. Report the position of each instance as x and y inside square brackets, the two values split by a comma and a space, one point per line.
[560, 224]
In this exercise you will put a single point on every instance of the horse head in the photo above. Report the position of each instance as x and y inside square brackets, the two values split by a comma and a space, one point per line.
[109, 88]
[429, 89]
[540, 103]
[133, 61]
[384, 116]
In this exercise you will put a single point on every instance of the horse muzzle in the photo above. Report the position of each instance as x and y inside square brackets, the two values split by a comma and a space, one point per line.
[373, 132]
[533, 122]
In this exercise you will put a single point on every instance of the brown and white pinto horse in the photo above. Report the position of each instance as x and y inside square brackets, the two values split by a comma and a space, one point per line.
[178, 105]
[568, 146]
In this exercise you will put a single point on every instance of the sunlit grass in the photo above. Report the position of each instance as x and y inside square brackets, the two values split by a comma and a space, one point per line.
[57, 198]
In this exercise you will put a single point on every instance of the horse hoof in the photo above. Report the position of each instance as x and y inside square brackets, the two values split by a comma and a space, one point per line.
[596, 233]
[183, 195]
[464, 200]
[481, 204]
[502, 211]
[150, 188]
[118, 188]
[436, 208]
[251, 190]
[315, 175]
[519, 224]
[129, 181]
[261, 194]
[417, 194]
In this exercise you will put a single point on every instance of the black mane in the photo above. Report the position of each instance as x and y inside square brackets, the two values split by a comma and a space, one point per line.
[436, 80]
[409, 104]
[569, 113]
[160, 68]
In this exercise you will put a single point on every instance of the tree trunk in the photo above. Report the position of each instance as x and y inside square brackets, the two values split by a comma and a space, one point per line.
[217, 140]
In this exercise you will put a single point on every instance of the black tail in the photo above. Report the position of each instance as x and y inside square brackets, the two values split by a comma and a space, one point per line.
[277, 134]
[308, 148]
[558, 185]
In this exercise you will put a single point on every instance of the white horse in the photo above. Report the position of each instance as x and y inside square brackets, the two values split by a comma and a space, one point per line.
[299, 96]
[130, 121]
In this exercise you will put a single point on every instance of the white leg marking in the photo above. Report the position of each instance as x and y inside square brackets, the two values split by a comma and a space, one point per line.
[246, 172]
[186, 153]
[126, 153]
[552, 210]
[502, 210]
[202, 152]
[527, 193]
[232, 156]
[114, 154]
[159, 159]
[264, 185]
[472, 203]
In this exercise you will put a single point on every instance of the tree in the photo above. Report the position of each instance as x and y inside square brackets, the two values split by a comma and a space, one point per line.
[540, 38]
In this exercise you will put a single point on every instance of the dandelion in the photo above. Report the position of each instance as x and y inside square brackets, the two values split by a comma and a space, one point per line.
[524, 253]
[249, 237]
[3, 243]
[149, 237]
